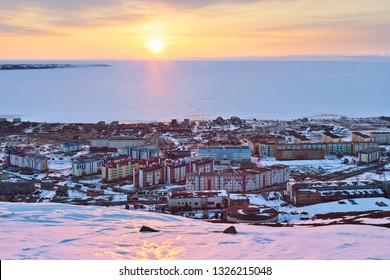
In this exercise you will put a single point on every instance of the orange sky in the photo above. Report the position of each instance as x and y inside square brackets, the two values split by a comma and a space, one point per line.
[73, 29]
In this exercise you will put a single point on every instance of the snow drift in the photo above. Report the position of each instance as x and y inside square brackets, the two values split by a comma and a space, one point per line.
[57, 231]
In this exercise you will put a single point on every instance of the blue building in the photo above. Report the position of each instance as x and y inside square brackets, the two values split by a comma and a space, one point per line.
[71, 147]
[230, 153]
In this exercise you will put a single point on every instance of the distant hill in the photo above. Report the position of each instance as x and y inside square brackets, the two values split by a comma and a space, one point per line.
[325, 116]
[46, 66]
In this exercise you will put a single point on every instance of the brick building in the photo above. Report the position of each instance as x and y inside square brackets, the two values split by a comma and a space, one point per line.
[302, 194]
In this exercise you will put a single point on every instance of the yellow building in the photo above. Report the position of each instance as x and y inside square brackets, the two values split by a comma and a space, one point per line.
[332, 138]
[116, 170]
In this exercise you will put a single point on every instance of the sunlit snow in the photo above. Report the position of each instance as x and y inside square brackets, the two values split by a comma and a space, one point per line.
[57, 231]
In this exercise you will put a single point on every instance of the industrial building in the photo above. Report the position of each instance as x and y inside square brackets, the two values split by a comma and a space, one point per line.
[358, 146]
[329, 137]
[339, 148]
[381, 137]
[360, 137]
[302, 194]
[300, 138]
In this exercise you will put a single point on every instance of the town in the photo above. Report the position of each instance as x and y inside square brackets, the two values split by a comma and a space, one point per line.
[233, 170]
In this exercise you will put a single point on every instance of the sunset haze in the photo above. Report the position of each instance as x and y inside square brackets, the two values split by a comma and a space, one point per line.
[119, 29]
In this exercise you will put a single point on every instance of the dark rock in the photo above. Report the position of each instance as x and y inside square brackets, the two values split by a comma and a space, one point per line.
[231, 230]
[236, 120]
[220, 121]
[148, 229]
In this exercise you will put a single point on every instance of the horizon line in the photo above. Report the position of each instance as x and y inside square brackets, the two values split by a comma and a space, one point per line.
[277, 57]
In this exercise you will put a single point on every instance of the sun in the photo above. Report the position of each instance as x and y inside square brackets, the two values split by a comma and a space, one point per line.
[156, 46]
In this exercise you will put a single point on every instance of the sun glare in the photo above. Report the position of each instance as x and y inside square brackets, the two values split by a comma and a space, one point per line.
[156, 46]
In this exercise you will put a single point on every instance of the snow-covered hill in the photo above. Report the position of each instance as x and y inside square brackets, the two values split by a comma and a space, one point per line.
[28, 66]
[57, 231]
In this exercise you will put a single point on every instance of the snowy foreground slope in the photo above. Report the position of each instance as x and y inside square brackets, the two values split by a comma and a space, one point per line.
[57, 231]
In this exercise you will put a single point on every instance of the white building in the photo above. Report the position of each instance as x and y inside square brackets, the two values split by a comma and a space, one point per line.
[99, 143]
[17, 159]
[87, 166]
[125, 142]
[116, 142]
[198, 200]
[31, 161]
[36, 162]
[279, 174]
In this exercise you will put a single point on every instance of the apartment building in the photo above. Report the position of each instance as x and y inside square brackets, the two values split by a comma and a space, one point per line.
[139, 153]
[230, 153]
[116, 169]
[87, 166]
[114, 143]
[30, 161]
[239, 180]
[71, 147]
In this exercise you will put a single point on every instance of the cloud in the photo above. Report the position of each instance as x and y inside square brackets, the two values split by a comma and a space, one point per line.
[77, 6]
[47, 16]
[9, 30]
[53, 5]
[203, 3]
[40, 16]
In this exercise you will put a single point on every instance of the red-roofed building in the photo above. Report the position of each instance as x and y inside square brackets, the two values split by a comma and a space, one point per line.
[117, 169]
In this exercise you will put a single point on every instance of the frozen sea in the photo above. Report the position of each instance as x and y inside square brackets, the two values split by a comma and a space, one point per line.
[164, 89]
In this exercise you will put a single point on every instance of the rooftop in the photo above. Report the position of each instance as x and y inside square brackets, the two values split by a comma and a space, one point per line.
[361, 134]
[252, 213]
[86, 160]
[187, 194]
[335, 185]
[330, 134]
[225, 147]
